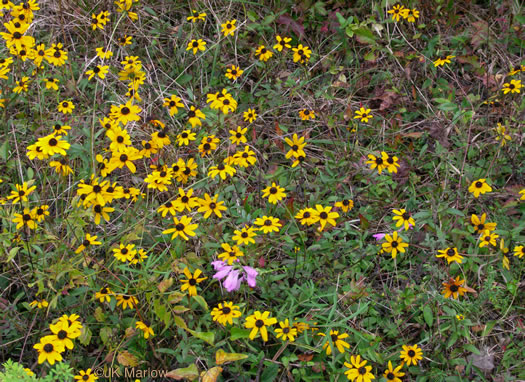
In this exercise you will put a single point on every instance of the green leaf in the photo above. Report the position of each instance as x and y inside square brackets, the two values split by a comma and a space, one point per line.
[202, 302]
[237, 333]
[471, 348]
[85, 336]
[428, 315]
[365, 35]
[208, 337]
[191, 372]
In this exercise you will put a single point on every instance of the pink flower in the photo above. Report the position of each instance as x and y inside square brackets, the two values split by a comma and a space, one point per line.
[251, 274]
[379, 236]
[232, 282]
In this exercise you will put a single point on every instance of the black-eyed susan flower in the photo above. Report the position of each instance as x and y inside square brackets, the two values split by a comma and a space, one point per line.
[306, 114]
[297, 146]
[453, 288]
[282, 42]
[514, 86]
[480, 224]
[119, 159]
[55, 55]
[443, 61]
[228, 28]
[40, 212]
[182, 227]
[66, 107]
[100, 20]
[274, 193]
[250, 115]
[125, 113]
[451, 255]
[192, 281]
[222, 169]
[25, 219]
[65, 333]
[394, 244]
[363, 114]
[519, 251]
[100, 71]
[126, 301]
[501, 134]
[148, 149]
[378, 162]
[186, 200]
[325, 215]
[51, 83]
[195, 116]
[124, 252]
[104, 294]
[119, 138]
[392, 163]
[412, 15]
[196, 45]
[233, 72]
[196, 16]
[307, 216]
[210, 205]
[358, 370]
[487, 238]
[185, 137]
[411, 354]
[398, 11]
[104, 53]
[22, 85]
[59, 129]
[21, 193]
[345, 205]
[225, 312]
[263, 53]
[479, 186]
[53, 144]
[125, 40]
[393, 374]
[286, 332]
[40, 304]
[230, 254]
[244, 236]
[86, 376]
[147, 330]
[245, 158]
[101, 212]
[268, 224]
[208, 144]
[168, 207]
[258, 323]
[238, 136]
[301, 54]
[338, 340]
[298, 160]
[403, 218]
[49, 349]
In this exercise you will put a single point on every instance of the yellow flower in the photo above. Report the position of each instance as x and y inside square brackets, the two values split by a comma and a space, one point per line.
[301, 54]
[100, 71]
[146, 329]
[196, 45]
[228, 28]
[49, 349]
[513, 87]
[392, 374]
[250, 115]
[196, 16]
[443, 61]
[398, 11]
[225, 312]
[306, 114]
[286, 332]
[394, 244]
[274, 193]
[325, 215]
[183, 228]
[282, 42]
[103, 53]
[358, 370]
[450, 254]
[259, 322]
[403, 218]
[233, 72]
[337, 341]
[478, 187]
[191, 283]
[263, 53]
[411, 15]
[244, 236]
[363, 115]
[411, 354]
[66, 107]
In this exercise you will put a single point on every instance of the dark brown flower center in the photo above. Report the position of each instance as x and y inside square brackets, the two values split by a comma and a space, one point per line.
[53, 142]
[125, 110]
[123, 158]
[62, 334]
[479, 184]
[450, 252]
[259, 323]
[323, 215]
[394, 244]
[244, 235]
[48, 348]
[179, 227]
[192, 282]
[412, 353]
[226, 310]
